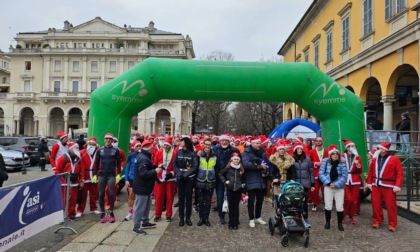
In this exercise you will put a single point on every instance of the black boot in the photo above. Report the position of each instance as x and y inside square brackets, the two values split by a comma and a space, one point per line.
[200, 222]
[339, 220]
[327, 219]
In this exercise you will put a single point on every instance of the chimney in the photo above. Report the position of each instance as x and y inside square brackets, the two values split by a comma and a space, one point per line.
[66, 25]
[151, 25]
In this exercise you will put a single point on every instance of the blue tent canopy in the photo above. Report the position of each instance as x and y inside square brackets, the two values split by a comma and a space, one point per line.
[286, 127]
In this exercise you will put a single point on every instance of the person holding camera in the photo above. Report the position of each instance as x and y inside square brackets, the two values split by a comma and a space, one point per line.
[145, 175]
[232, 177]
[206, 181]
[255, 164]
[185, 165]
[165, 188]
[70, 162]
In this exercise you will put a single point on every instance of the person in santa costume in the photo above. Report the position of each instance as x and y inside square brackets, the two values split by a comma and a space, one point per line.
[316, 155]
[87, 158]
[58, 149]
[70, 162]
[333, 175]
[385, 178]
[165, 189]
[353, 164]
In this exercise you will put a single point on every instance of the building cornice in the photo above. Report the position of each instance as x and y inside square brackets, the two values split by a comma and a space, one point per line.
[386, 46]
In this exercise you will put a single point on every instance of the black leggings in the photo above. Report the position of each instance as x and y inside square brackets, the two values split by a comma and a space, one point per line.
[205, 203]
[103, 181]
[234, 197]
[252, 194]
[185, 190]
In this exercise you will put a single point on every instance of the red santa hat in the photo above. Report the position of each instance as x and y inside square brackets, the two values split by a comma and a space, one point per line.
[62, 135]
[255, 139]
[72, 145]
[168, 141]
[264, 139]
[92, 140]
[237, 139]
[115, 139]
[161, 136]
[347, 143]
[185, 136]
[224, 137]
[235, 156]
[384, 146]
[333, 148]
[297, 145]
[147, 145]
[109, 136]
[195, 136]
[135, 144]
[372, 152]
[281, 146]
[299, 139]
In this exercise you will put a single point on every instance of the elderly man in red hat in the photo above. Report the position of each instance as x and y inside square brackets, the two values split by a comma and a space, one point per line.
[87, 158]
[165, 188]
[59, 148]
[385, 178]
[70, 162]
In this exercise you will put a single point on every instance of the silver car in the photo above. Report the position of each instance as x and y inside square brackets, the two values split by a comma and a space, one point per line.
[13, 159]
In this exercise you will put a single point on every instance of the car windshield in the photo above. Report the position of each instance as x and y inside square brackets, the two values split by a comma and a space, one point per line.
[32, 141]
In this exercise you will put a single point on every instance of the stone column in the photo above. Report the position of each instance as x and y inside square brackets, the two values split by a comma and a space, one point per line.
[47, 132]
[387, 101]
[294, 111]
[84, 125]
[17, 127]
[84, 71]
[66, 75]
[47, 74]
[36, 123]
[66, 127]
[121, 60]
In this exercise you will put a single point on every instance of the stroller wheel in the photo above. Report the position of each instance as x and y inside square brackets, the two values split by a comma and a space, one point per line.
[285, 240]
[271, 225]
[306, 241]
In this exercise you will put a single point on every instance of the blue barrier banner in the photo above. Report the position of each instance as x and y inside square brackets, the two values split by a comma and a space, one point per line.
[28, 209]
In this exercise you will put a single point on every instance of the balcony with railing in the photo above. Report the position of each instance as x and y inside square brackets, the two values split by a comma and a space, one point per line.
[24, 96]
[112, 51]
[63, 96]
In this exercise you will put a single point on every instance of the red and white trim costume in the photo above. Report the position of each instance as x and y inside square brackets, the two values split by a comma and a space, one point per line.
[352, 189]
[89, 186]
[315, 158]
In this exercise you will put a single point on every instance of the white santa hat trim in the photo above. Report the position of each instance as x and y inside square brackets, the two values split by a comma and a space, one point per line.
[382, 147]
[281, 147]
[332, 151]
[224, 137]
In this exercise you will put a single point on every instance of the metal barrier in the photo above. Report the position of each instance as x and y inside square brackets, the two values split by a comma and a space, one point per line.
[66, 175]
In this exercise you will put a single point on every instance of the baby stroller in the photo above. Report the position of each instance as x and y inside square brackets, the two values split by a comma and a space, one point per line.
[289, 209]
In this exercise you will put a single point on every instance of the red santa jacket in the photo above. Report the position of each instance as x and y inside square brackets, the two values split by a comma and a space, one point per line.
[168, 161]
[64, 164]
[353, 170]
[391, 174]
[57, 150]
[315, 158]
[123, 159]
[87, 162]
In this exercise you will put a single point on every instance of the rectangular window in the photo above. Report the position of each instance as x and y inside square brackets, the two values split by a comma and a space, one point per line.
[57, 66]
[4, 80]
[346, 32]
[306, 55]
[316, 55]
[98, 45]
[130, 64]
[28, 65]
[93, 85]
[112, 66]
[329, 46]
[57, 85]
[94, 66]
[394, 7]
[61, 45]
[75, 86]
[367, 17]
[76, 66]
[26, 86]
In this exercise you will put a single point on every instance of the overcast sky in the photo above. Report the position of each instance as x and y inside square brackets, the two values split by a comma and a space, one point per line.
[249, 29]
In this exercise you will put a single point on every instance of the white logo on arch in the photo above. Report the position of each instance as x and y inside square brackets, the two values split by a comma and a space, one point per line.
[341, 91]
[125, 88]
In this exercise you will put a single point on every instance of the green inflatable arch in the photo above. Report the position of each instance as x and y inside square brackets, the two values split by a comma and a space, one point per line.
[113, 105]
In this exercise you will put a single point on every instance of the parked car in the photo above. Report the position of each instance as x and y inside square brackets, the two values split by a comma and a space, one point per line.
[13, 159]
[51, 142]
[27, 145]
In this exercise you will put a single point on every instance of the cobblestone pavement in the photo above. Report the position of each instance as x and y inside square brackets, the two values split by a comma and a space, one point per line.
[358, 237]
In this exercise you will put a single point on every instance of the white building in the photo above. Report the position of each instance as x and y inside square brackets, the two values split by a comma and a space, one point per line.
[53, 73]
[4, 85]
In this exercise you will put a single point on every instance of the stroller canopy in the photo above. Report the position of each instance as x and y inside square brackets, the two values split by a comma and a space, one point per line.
[294, 187]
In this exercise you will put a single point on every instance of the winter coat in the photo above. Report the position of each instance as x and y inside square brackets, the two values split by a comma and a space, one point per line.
[254, 173]
[236, 179]
[279, 166]
[70, 163]
[185, 163]
[224, 155]
[302, 172]
[144, 174]
[130, 166]
[324, 174]
[206, 175]
[404, 125]
[87, 161]
[391, 175]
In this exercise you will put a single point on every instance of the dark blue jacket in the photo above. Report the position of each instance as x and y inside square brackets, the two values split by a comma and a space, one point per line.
[106, 161]
[223, 156]
[183, 160]
[131, 165]
[253, 175]
[144, 174]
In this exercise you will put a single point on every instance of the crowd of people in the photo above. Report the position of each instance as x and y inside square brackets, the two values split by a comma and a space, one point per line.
[235, 167]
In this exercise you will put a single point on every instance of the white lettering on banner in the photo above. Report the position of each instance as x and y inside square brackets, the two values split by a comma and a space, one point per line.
[12, 237]
[329, 100]
[323, 86]
[142, 91]
[120, 98]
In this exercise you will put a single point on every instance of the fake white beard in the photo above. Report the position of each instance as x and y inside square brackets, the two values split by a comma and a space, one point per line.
[90, 150]
[225, 146]
[76, 152]
[354, 151]
[161, 143]
[115, 145]
[376, 155]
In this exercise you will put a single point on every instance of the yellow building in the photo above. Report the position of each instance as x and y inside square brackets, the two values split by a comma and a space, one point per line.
[370, 47]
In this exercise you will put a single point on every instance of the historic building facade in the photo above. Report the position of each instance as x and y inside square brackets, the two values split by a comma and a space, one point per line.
[53, 73]
[370, 47]
[4, 85]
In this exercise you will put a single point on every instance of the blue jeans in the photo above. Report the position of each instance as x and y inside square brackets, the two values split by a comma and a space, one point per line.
[220, 193]
[405, 143]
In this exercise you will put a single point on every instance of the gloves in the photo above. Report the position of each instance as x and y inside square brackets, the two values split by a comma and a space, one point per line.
[169, 176]
[95, 179]
[117, 178]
